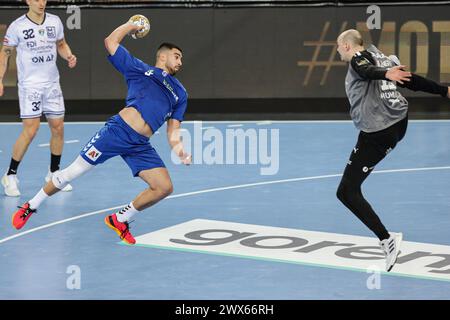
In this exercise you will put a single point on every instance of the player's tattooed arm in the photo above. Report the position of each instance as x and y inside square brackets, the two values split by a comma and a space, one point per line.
[8, 50]
[5, 53]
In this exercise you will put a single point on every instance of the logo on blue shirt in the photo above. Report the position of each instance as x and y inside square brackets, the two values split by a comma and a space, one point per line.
[167, 116]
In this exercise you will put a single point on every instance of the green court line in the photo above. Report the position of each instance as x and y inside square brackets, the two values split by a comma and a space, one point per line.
[283, 261]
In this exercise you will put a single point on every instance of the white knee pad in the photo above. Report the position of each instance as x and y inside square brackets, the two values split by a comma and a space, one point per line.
[61, 178]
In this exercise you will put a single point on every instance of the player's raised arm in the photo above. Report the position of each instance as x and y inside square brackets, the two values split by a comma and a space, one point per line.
[113, 40]
[5, 53]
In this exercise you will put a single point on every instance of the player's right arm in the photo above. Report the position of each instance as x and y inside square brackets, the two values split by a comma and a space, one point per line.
[5, 53]
[113, 41]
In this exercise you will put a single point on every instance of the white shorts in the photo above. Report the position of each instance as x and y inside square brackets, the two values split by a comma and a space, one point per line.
[47, 100]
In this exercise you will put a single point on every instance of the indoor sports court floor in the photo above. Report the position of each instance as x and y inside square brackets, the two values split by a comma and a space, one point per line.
[269, 219]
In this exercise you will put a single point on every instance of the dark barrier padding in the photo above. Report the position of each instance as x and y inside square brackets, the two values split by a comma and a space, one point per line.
[241, 109]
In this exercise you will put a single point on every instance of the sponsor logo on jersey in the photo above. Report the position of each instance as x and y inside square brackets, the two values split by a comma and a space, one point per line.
[51, 32]
[378, 55]
[34, 96]
[169, 87]
[149, 73]
[54, 94]
[362, 62]
[31, 44]
[93, 153]
[167, 116]
[41, 32]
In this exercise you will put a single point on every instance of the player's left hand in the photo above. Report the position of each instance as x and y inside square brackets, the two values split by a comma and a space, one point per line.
[186, 159]
[72, 60]
[398, 74]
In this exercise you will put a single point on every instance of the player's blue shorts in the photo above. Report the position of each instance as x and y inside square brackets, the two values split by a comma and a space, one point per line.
[118, 138]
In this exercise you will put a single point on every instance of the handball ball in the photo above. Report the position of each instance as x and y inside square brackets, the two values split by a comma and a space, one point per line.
[140, 20]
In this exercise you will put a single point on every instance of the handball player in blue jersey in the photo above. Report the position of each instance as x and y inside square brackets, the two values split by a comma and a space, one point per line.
[154, 97]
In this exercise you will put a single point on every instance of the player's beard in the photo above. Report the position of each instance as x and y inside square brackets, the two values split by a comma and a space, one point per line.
[173, 71]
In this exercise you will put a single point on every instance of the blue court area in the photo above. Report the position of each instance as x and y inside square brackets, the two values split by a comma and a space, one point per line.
[35, 260]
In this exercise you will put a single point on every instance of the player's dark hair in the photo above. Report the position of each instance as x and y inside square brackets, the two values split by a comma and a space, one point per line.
[169, 46]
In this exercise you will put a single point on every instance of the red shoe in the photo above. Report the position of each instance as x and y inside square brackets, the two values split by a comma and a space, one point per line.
[121, 228]
[22, 215]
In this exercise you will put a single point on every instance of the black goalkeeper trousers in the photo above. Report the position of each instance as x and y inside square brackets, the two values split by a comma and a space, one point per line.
[370, 149]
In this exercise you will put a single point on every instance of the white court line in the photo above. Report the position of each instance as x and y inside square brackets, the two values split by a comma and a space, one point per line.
[72, 141]
[245, 121]
[235, 125]
[262, 123]
[48, 144]
[239, 186]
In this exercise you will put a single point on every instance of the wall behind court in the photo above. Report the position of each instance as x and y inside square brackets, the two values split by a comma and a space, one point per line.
[249, 52]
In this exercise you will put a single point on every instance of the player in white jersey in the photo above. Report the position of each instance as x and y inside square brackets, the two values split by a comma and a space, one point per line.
[38, 38]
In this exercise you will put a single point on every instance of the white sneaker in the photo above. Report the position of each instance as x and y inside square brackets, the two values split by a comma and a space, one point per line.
[49, 177]
[391, 248]
[11, 184]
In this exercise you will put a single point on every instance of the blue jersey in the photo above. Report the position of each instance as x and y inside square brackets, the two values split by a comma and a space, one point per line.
[157, 95]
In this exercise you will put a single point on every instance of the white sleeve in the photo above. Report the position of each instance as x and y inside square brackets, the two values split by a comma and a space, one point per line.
[60, 31]
[11, 38]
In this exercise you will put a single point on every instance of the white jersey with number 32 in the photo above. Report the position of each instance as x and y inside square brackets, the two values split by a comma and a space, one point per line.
[36, 49]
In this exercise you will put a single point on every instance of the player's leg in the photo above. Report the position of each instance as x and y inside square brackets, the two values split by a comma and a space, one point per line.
[30, 128]
[364, 157]
[59, 180]
[159, 187]
[56, 126]
[30, 100]
[368, 152]
[54, 110]
[370, 149]
[144, 162]
[99, 149]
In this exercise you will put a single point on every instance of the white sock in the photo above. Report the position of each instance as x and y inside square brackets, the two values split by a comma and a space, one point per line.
[126, 213]
[38, 199]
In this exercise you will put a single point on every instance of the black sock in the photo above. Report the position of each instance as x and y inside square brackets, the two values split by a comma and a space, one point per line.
[54, 162]
[13, 167]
